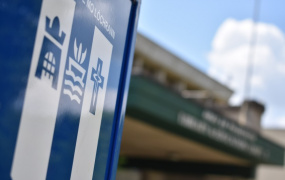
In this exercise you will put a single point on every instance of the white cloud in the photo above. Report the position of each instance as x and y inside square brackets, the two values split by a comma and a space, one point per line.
[228, 60]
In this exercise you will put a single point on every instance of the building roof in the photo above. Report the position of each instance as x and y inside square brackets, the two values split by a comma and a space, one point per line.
[175, 65]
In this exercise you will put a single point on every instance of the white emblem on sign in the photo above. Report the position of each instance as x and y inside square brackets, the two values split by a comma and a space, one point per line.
[92, 107]
[77, 73]
[40, 107]
[50, 55]
[48, 78]
[98, 79]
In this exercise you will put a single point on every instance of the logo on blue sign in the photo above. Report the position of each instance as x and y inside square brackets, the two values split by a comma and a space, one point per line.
[98, 82]
[48, 65]
[67, 85]
[74, 83]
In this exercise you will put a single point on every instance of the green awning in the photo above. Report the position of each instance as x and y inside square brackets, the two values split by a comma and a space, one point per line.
[163, 108]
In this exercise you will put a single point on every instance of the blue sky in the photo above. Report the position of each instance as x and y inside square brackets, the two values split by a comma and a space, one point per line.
[194, 30]
[187, 28]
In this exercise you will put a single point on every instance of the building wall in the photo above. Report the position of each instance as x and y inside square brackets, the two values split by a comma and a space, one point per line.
[272, 172]
[135, 174]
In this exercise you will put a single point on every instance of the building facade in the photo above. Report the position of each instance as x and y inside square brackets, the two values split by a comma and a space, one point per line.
[179, 125]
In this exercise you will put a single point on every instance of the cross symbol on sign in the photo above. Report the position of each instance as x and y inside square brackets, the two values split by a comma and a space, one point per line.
[98, 82]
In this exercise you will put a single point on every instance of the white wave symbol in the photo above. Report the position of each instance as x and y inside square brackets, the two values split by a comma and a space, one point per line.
[75, 78]
[73, 87]
[72, 96]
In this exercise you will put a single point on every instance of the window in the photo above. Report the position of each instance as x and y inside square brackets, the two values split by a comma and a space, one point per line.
[49, 65]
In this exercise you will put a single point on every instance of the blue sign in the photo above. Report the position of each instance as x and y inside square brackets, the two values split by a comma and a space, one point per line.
[65, 69]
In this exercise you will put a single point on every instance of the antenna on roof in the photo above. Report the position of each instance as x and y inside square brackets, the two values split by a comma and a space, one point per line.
[250, 63]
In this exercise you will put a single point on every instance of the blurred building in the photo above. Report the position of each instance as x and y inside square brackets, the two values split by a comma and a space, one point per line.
[265, 172]
[179, 125]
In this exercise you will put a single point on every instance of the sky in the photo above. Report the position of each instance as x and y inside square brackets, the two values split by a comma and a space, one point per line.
[215, 36]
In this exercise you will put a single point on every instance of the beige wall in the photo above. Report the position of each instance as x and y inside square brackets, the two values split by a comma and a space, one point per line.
[128, 174]
[272, 172]
[133, 174]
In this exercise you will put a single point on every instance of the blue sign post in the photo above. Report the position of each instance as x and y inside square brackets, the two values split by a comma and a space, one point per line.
[65, 67]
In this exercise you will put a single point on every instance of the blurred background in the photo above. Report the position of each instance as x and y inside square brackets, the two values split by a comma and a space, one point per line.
[206, 93]
[216, 38]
